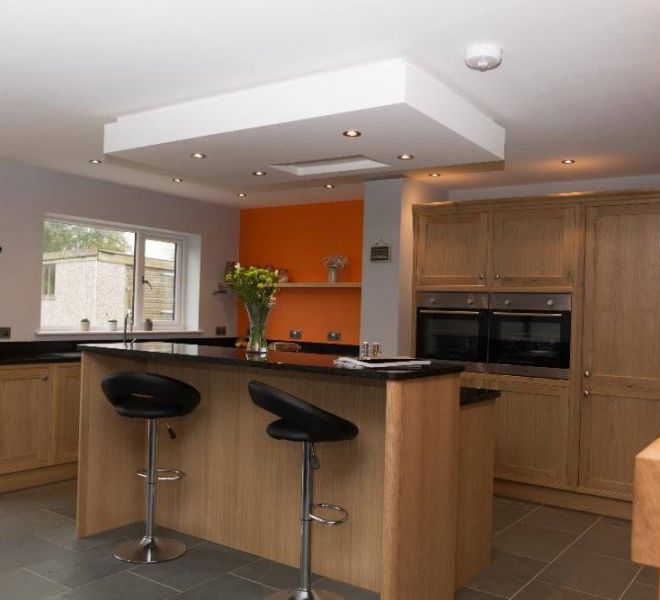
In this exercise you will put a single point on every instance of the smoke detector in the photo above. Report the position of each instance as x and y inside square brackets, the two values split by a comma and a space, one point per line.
[483, 57]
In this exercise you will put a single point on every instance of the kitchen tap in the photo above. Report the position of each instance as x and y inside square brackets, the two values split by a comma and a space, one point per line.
[127, 317]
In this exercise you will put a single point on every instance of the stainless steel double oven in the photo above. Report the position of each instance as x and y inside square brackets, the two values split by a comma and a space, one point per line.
[513, 334]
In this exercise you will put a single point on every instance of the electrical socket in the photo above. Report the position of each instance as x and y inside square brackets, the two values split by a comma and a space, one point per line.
[334, 336]
[295, 334]
[221, 330]
[5, 333]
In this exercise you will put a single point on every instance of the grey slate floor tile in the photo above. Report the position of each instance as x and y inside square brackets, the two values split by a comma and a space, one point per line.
[345, 590]
[507, 574]
[65, 536]
[531, 541]
[590, 573]
[562, 519]
[272, 574]
[27, 551]
[648, 576]
[505, 515]
[20, 584]
[75, 569]
[198, 565]
[543, 591]
[470, 594]
[227, 586]
[611, 541]
[122, 586]
[30, 523]
[640, 592]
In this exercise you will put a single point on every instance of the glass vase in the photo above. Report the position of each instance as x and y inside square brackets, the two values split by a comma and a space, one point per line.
[258, 315]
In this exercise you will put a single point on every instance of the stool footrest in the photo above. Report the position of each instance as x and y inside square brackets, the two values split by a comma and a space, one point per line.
[164, 474]
[329, 522]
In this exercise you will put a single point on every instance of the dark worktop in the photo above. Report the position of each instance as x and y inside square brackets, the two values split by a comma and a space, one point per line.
[322, 364]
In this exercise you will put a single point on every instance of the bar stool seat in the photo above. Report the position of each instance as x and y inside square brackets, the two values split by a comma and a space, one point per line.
[303, 422]
[151, 397]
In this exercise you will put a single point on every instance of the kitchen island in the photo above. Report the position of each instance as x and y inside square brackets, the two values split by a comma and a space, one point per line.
[398, 478]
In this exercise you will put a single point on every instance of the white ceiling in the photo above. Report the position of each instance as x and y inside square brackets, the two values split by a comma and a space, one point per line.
[580, 78]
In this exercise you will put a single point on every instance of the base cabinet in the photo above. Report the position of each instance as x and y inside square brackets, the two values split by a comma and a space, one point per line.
[39, 408]
[535, 430]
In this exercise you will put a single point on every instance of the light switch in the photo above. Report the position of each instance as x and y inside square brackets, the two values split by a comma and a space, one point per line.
[295, 334]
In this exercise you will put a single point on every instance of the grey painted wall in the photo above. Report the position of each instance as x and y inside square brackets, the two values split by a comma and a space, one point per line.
[27, 194]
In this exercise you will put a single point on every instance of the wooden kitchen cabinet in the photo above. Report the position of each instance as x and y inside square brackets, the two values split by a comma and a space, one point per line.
[25, 418]
[533, 247]
[621, 343]
[452, 249]
[66, 403]
[535, 428]
[39, 420]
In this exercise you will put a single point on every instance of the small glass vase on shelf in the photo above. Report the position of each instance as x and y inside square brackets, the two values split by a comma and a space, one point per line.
[255, 287]
[334, 263]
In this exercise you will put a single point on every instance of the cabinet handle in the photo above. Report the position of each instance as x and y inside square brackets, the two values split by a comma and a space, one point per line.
[497, 275]
[586, 392]
[44, 377]
[587, 373]
[482, 276]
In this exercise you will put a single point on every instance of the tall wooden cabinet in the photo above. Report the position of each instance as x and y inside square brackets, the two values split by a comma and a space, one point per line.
[621, 343]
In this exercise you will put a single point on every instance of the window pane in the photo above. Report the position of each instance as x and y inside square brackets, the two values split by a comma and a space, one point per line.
[87, 274]
[159, 283]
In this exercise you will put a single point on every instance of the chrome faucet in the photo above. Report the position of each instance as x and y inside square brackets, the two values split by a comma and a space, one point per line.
[127, 317]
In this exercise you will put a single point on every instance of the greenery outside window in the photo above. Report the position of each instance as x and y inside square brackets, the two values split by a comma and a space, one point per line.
[104, 272]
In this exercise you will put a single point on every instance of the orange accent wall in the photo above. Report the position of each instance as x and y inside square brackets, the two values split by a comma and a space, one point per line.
[297, 238]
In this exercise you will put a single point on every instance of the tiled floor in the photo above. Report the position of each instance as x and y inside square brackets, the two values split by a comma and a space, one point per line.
[540, 553]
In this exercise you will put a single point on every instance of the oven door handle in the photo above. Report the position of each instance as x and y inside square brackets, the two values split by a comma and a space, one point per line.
[426, 311]
[527, 314]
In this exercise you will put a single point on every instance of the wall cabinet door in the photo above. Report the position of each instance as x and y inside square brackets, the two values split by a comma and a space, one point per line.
[25, 418]
[535, 429]
[452, 249]
[67, 412]
[621, 345]
[534, 247]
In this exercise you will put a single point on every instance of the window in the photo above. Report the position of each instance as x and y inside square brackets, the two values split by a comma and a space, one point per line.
[104, 272]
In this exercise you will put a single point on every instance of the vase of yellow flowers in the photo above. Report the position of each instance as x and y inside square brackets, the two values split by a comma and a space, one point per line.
[255, 287]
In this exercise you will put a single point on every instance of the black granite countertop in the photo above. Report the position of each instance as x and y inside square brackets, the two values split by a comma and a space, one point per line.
[284, 361]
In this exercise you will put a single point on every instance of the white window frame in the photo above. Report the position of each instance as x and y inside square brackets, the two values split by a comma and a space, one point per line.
[177, 323]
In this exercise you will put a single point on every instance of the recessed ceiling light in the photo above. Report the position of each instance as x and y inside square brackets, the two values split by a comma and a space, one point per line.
[328, 186]
[197, 155]
[405, 157]
[177, 180]
[434, 174]
[241, 195]
[95, 161]
[353, 133]
[568, 161]
[258, 173]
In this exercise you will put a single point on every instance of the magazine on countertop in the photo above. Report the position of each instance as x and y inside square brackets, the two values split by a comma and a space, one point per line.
[380, 363]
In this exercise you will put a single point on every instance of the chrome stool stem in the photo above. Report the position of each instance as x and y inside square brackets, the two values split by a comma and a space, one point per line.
[150, 549]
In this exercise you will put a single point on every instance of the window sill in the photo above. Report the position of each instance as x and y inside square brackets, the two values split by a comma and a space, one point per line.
[119, 334]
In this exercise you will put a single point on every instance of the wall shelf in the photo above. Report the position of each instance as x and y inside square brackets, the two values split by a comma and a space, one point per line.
[321, 284]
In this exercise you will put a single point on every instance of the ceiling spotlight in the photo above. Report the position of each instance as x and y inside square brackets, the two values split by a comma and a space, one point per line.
[95, 161]
[568, 161]
[177, 180]
[352, 133]
[405, 157]
[483, 57]
[258, 173]
[328, 186]
[241, 195]
[197, 155]
[434, 174]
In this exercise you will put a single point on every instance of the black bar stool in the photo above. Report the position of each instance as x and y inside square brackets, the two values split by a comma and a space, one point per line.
[306, 423]
[149, 396]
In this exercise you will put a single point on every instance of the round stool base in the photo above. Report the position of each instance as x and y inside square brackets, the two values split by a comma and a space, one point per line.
[315, 594]
[160, 550]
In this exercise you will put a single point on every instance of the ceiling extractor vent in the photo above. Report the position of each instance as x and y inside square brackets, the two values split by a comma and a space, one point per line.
[330, 165]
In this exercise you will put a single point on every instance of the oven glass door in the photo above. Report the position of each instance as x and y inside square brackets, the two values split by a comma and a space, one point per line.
[533, 339]
[459, 335]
